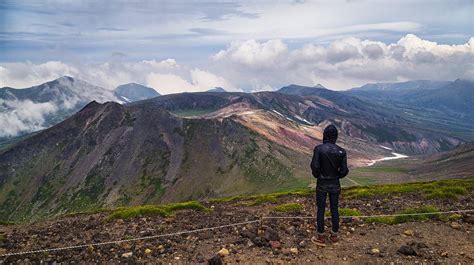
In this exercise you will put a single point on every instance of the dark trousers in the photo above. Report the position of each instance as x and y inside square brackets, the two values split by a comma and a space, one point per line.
[321, 205]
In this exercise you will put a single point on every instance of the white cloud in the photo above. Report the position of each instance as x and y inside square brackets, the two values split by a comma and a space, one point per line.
[166, 76]
[344, 63]
[254, 54]
[27, 74]
[256, 65]
[24, 116]
[200, 81]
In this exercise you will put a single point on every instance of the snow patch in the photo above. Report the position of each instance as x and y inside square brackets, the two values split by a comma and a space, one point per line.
[126, 99]
[396, 156]
[387, 148]
[278, 113]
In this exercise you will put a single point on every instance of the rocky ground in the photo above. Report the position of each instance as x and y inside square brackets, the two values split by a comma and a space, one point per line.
[273, 241]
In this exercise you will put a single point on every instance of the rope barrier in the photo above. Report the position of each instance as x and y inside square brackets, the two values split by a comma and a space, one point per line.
[369, 216]
[211, 228]
[125, 240]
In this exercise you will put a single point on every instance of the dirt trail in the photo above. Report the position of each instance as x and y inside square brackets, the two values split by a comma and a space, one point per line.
[282, 240]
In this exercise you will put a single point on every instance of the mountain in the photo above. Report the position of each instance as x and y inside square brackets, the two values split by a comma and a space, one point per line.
[27, 110]
[134, 92]
[446, 108]
[188, 146]
[217, 89]
[403, 86]
[304, 90]
[445, 102]
[31, 109]
[109, 154]
[452, 164]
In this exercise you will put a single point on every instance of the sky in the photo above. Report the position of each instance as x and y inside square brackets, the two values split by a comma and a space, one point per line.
[176, 46]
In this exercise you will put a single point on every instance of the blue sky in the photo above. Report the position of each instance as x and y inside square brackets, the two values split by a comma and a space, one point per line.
[79, 35]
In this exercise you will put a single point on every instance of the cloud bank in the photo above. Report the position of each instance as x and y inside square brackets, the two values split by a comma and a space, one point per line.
[166, 76]
[254, 65]
[23, 116]
[345, 63]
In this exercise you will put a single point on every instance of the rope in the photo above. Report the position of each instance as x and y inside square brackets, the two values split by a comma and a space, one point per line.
[211, 228]
[125, 240]
[369, 216]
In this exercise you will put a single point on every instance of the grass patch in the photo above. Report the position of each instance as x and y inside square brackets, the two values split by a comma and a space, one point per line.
[288, 207]
[407, 218]
[345, 212]
[262, 198]
[379, 169]
[434, 189]
[455, 216]
[2, 222]
[162, 210]
[364, 180]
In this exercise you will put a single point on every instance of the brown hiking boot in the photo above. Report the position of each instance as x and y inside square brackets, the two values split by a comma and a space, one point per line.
[333, 237]
[319, 240]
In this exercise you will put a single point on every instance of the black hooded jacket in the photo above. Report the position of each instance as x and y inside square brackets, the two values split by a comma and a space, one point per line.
[329, 163]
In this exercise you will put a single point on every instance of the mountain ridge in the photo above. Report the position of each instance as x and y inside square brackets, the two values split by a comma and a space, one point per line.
[134, 92]
[38, 107]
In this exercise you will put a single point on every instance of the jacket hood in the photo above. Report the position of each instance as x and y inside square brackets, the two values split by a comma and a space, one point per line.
[330, 134]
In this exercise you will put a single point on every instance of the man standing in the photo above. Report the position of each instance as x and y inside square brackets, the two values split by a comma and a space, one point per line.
[329, 164]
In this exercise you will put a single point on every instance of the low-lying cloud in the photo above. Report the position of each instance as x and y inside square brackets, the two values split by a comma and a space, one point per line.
[20, 116]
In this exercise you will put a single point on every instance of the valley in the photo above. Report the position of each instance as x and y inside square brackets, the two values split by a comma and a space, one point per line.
[198, 146]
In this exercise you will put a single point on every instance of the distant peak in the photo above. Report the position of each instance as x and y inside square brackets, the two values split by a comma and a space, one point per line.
[217, 89]
[65, 78]
[132, 84]
[319, 86]
[91, 105]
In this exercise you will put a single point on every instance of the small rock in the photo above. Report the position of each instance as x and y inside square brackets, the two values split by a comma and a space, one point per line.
[200, 258]
[444, 254]
[421, 245]
[291, 230]
[303, 244]
[260, 242]
[127, 255]
[409, 232]
[216, 260]
[223, 252]
[352, 229]
[407, 250]
[271, 235]
[375, 251]
[468, 219]
[147, 251]
[285, 252]
[275, 244]
[455, 225]
[344, 259]
[294, 251]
